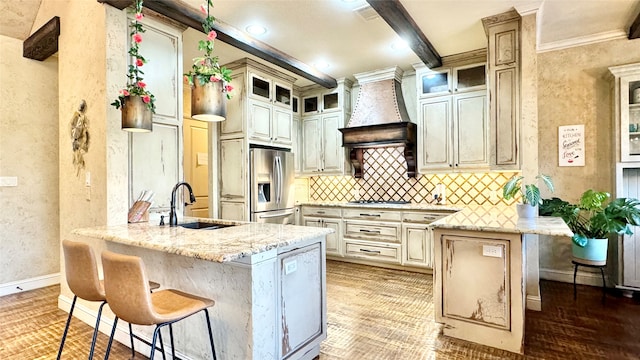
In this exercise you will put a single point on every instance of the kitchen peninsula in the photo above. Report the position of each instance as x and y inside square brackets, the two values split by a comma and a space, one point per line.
[481, 273]
[267, 281]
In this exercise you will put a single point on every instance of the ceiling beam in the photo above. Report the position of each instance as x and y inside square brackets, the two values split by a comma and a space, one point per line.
[186, 15]
[44, 42]
[402, 23]
[634, 30]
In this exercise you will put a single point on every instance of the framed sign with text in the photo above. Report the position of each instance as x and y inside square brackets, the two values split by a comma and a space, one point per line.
[571, 145]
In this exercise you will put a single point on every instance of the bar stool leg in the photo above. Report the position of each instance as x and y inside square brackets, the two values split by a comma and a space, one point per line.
[133, 351]
[213, 348]
[164, 356]
[113, 331]
[575, 271]
[173, 347]
[66, 328]
[96, 329]
[153, 343]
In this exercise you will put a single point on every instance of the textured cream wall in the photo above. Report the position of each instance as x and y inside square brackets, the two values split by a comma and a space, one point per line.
[28, 150]
[574, 88]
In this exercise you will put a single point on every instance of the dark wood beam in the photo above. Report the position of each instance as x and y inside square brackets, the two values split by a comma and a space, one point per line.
[186, 15]
[634, 30]
[402, 23]
[44, 42]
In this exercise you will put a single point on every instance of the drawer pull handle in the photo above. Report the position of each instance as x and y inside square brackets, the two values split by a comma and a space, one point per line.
[319, 212]
[371, 251]
[370, 231]
[370, 215]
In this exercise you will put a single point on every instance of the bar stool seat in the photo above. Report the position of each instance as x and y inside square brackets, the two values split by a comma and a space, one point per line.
[82, 277]
[129, 298]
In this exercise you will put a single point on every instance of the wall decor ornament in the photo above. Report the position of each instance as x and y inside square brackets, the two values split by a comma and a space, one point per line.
[79, 130]
[571, 145]
[136, 117]
[209, 81]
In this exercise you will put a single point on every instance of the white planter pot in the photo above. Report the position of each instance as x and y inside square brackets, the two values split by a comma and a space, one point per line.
[527, 211]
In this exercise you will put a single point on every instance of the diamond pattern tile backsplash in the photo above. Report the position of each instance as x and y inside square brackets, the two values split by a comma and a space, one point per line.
[385, 178]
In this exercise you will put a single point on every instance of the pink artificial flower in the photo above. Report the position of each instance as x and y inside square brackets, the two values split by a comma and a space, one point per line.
[139, 16]
[139, 62]
[203, 9]
[146, 99]
[186, 78]
[202, 62]
[213, 78]
[137, 38]
[229, 88]
[141, 84]
[124, 92]
[212, 35]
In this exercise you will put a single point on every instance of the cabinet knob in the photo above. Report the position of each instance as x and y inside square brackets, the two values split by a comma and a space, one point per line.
[450, 165]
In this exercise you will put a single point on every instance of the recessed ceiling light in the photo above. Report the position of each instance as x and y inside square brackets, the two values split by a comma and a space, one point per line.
[256, 29]
[399, 45]
[321, 65]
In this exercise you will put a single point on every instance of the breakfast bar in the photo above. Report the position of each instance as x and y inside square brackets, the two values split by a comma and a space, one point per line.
[482, 276]
[267, 281]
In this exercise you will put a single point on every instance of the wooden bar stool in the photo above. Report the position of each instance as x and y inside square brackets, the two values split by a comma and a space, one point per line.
[127, 290]
[82, 277]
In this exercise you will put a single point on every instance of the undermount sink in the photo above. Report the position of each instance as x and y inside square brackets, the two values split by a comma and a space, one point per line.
[203, 225]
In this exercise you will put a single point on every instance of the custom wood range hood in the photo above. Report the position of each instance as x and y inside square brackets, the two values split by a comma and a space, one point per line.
[380, 119]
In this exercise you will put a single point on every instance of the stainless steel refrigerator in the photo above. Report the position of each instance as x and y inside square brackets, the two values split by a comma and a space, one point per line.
[272, 186]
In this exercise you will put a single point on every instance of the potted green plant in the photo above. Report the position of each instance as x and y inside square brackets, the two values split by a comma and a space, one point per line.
[530, 194]
[592, 220]
[135, 100]
[208, 80]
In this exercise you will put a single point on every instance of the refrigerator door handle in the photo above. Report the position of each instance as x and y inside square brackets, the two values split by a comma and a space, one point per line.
[279, 179]
[279, 214]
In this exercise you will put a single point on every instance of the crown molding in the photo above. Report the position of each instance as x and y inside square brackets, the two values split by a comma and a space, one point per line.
[582, 40]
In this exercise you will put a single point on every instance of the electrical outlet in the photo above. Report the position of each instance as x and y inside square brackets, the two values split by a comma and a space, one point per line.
[8, 181]
[492, 251]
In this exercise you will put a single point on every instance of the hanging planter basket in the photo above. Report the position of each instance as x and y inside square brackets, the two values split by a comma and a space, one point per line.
[136, 115]
[208, 101]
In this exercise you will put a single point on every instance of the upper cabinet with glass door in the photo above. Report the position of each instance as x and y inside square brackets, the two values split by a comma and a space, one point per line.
[449, 80]
[266, 89]
[321, 102]
[627, 110]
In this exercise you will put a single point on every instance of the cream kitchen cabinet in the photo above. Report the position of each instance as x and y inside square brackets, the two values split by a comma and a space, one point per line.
[372, 235]
[627, 110]
[270, 124]
[453, 132]
[322, 151]
[327, 218]
[261, 107]
[503, 70]
[323, 113]
[296, 133]
[450, 80]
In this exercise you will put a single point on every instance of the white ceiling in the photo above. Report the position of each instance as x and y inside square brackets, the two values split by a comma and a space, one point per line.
[330, 30]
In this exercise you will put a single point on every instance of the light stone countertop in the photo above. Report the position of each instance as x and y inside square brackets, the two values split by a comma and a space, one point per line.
[496, 218]
[220, 245]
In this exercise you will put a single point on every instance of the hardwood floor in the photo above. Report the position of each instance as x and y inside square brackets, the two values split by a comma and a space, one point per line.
[375, 314]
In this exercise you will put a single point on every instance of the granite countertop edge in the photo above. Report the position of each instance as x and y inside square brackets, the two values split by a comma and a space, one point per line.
[484, 218]
[220, 245]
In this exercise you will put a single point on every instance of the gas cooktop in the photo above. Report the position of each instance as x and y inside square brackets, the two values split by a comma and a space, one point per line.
[393, 202]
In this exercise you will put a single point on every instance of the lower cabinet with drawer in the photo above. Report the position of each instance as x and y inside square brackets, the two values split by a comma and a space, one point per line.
[327, 217]
[372, 234]
[400, 239]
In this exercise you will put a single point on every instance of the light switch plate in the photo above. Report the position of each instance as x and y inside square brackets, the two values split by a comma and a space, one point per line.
[492, 251]
[8, 181]
[290, 267]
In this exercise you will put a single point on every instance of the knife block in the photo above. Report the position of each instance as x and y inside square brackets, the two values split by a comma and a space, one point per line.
[139, 212]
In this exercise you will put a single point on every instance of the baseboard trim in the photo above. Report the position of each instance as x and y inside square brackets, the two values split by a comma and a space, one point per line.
[582, 278]
[29, 284]
[88, 316]
[534, 303]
